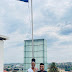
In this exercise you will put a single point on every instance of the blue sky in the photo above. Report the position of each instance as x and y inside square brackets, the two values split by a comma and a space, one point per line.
[52, 21]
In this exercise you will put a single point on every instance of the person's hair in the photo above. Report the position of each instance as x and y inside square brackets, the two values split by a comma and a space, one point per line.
[33, 60]
[41, 63]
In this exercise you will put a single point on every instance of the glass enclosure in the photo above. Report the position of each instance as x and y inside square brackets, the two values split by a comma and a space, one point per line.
[40, 53]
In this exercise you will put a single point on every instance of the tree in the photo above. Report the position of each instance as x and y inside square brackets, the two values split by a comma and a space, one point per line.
[53, 68]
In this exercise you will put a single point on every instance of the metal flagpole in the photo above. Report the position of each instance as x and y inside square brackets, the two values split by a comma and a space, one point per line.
[32, 30]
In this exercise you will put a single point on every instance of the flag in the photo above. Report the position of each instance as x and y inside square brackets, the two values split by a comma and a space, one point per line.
[24, 0]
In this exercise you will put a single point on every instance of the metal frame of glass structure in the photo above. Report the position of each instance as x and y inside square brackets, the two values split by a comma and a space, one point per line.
[40, 53]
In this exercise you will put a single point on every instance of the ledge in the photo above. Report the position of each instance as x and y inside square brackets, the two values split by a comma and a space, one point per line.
[3, 37]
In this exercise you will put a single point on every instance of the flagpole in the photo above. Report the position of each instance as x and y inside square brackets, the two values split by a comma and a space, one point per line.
[32, 30]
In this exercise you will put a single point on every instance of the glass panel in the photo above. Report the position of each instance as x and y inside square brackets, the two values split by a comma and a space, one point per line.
[38, 42]
[27, 66]
[37, 66]
[29, 42]
[28, 48]
[45, 48]
[38, 54]
[45, 42]
[39, 60]
[45, 60]
[40, 47]
[28, 54]
[45, 54]
[45, 66]
[36, 48]
[27, 60]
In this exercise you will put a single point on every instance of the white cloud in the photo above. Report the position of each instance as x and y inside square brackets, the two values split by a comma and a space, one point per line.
[13, 10]
[60, 53]
[46, 30]
[15, 39]
[59, 7]
[59, 50]
[14, 55]
[14, 47]
[2, 27]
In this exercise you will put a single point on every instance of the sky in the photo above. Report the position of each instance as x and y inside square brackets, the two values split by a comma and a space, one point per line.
[52, 21]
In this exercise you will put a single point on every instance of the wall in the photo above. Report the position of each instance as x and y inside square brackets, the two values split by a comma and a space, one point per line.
[1, 55]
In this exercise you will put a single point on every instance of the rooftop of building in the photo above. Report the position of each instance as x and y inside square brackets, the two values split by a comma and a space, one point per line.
[3, 37]
[34, 39]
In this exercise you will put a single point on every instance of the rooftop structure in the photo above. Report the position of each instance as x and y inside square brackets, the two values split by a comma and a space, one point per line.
[40, 53]
[2, 52]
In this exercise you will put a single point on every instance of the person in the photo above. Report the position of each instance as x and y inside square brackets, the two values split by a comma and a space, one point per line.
[32, 69]
[42, 68]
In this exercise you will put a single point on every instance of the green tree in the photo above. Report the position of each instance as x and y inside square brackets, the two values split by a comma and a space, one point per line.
[53, 68]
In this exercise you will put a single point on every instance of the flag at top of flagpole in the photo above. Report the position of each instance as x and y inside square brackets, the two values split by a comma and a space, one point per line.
[24, 0]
